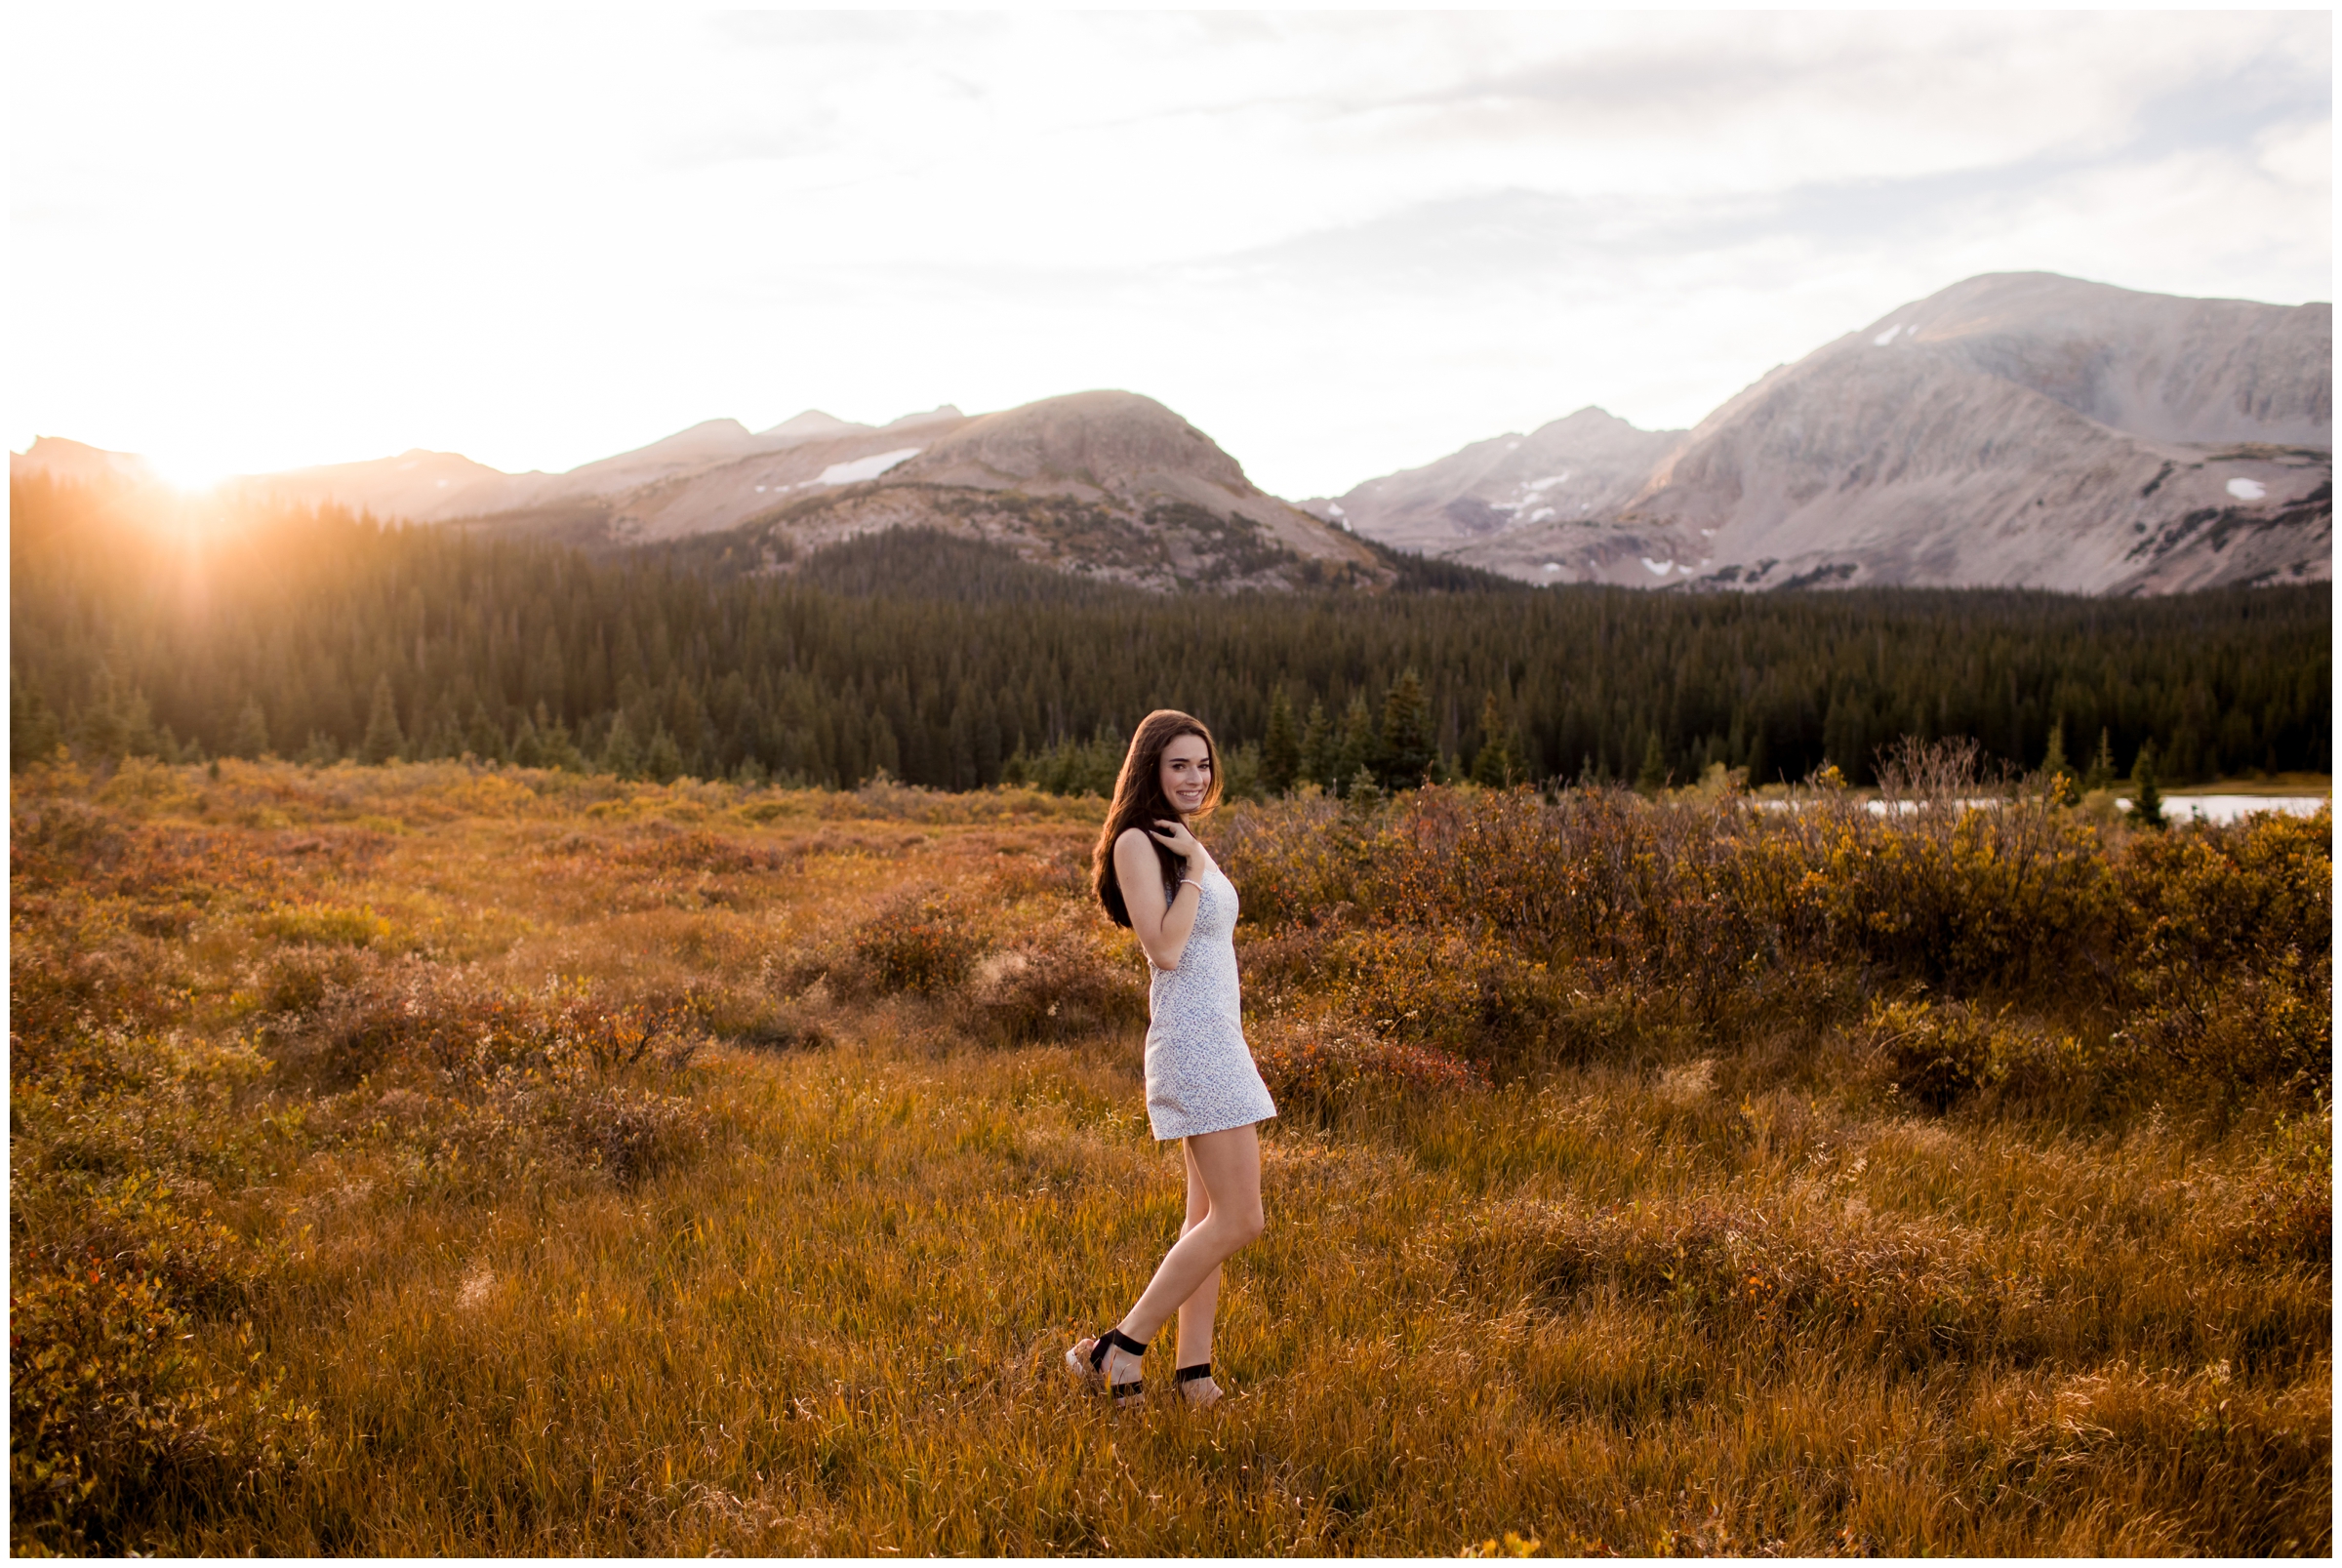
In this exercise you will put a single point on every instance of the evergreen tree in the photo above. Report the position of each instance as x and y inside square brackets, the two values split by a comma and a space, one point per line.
[33, 733]
[252, 731]
[1280, 748]
[663, 759]
[2101, 775]
[620, 754]
[885, 752]
[1407, 749]
[116, 722]
[2147, 801]
[2057, 774]
[1317, 747]
[1495, 765]
[556, 745]
[1357, 747]
[383, 739]
[481, 736]
[1653, 776]
[320, 752]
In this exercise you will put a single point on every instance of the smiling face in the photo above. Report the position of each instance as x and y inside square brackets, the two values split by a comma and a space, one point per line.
[1187, 773]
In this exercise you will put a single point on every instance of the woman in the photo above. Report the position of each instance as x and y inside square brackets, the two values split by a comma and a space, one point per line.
[1201, 1085]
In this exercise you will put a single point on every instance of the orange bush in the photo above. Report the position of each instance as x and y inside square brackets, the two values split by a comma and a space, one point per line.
[1315, 1065]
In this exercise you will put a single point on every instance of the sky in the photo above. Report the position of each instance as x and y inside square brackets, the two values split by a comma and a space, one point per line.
[1340, 243]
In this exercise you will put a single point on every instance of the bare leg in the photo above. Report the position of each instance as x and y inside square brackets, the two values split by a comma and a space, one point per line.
[1228, 1165]
[1197, 1311]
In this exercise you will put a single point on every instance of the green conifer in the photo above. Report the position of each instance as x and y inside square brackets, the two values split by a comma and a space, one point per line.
[1407, 749]
[2147, 801]
[2057, 774]
[1280, 748]
[663, 759]
[383, 739]
[2101, 774]
[1496, 764]
[252, 730]
[1357, 747]
[620, 754]
[33, 733]
[483, 738]
[1317, 747]
[1653, 775]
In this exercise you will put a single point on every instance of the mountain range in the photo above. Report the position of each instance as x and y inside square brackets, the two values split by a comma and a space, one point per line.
[2016, 430]
[1107, 484]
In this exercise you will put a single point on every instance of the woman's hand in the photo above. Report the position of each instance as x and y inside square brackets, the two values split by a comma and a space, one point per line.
[1175, 837]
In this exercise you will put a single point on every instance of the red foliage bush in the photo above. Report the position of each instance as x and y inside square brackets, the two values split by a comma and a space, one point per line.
[1315, 1065]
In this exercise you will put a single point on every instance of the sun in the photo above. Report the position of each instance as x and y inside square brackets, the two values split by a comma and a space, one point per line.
[189, 473]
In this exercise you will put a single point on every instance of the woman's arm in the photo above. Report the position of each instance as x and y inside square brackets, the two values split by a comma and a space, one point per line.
[1161, 928]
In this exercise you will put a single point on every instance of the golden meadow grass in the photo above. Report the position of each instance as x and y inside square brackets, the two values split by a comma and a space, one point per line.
[427, 1160]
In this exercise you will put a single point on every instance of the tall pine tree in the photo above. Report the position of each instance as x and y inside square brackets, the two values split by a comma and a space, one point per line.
[2147, 800]
[1409, 752]
[1280, 748]
[1317, 747]
[1355, 753]
[1495, 764]
[383, 741]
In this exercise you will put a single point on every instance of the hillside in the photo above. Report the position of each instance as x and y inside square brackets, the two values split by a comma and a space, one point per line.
[1105, 484]
[1583, 466]
[2015, 429]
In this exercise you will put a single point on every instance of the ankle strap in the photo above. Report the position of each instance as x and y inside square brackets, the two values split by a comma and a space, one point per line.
[1113, 1338]
[1201, 1369]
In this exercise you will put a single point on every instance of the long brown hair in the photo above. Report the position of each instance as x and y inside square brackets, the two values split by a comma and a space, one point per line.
[1140, 802]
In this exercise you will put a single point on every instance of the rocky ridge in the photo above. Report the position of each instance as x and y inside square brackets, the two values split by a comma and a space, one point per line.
[2014, 429]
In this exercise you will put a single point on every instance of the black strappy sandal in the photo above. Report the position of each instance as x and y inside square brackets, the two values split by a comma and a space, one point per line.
[1200, 1372]
[1091, 1367]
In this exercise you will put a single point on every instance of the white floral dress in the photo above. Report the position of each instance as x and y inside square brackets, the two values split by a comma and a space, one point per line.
[1200, 1077]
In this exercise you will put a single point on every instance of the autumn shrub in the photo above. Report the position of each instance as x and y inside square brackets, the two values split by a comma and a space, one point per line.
[320, 924]
[1909, 1293]
[755, 1015]
[914, 945]
[146, 1223]
[1060, 982]
[699, 850]
[590, 1071]
[113, 1413]
[1473, 998]
[2288, 1215]
[2229, 894]
[627, 1130]
[1936, 1056]
[2225, 960]
[2234, 1029]
[1316, 1066]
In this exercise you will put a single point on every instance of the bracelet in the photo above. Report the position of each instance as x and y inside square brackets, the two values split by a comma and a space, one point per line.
[1190, 882]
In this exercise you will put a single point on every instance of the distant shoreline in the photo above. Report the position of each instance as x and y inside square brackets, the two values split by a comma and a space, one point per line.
[2284, 783]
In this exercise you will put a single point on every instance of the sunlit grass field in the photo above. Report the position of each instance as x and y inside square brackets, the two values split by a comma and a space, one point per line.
[432, 1159]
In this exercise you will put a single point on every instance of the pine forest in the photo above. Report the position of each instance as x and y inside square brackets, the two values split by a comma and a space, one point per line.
[146, 626]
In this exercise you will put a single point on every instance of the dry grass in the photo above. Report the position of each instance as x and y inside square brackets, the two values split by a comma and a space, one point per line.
[421, 1161]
